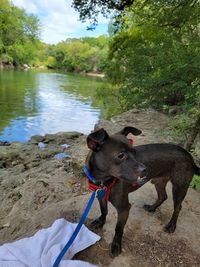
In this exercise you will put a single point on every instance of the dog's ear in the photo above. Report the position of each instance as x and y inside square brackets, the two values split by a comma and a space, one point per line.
[129, 129]
[96, 139]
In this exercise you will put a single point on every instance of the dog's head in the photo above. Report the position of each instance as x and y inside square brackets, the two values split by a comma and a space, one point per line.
[114, 156]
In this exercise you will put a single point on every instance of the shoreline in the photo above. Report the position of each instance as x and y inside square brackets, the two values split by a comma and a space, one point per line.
[26, 67]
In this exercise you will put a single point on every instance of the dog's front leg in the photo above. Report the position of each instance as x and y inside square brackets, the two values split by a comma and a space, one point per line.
[99, 222]
[123, 213]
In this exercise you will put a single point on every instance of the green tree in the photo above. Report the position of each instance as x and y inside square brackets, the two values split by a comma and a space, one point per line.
[79, 55]
[90, 10]
[18, 33]
[154, 60]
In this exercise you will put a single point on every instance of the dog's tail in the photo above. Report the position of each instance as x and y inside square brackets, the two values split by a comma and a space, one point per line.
[197, 170]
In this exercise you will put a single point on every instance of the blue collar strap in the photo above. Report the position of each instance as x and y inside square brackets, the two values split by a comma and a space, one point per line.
[87, 173]
[93, 180]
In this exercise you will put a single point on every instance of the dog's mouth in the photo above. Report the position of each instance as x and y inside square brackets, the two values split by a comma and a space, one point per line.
[141, 180]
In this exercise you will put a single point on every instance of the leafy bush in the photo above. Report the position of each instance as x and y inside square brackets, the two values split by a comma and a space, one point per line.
[51, 62]
[196, 182]
[181, 125]
[155, 56]
[108, 99]
[6, 59]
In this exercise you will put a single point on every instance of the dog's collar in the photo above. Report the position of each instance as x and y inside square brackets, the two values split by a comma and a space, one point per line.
[95, 185]
[94, 181]
[103, 188]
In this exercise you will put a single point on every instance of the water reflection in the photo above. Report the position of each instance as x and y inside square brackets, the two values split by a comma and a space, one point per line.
[38, 103]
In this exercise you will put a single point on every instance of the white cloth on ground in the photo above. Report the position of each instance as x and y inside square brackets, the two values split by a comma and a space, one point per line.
[42, 249]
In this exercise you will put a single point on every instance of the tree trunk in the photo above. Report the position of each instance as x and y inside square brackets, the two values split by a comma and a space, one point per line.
[193, 134]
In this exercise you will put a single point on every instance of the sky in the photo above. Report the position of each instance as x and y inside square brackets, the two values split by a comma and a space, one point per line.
[59, 20]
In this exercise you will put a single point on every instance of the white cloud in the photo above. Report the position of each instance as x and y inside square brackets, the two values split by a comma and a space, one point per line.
[59, 20]
[29, 6]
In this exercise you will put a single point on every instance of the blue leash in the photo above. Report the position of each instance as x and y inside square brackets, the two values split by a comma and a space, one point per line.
[76, 231]
[78, 227]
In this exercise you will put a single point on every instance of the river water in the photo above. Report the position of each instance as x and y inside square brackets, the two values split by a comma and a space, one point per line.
[34, 102]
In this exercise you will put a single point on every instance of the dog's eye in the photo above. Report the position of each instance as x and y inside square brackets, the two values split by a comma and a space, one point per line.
[121, 155]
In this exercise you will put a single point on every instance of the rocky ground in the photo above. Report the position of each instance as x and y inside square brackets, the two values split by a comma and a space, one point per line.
[36, 188]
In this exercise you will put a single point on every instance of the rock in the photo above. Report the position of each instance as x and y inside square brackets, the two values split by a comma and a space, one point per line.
[61, 137]
[4, 143]
[25, 66]
[36, 139]
[58, 138]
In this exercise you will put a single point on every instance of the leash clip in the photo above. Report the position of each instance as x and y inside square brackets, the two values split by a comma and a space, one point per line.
[100, 193]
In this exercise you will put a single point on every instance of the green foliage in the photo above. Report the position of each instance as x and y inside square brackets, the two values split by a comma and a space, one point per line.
[51, 62]
[108, 99]
[90, 10]
[154, 60]
[181, 125]
[40, 54]
[161, 69]
[155, 57]
[18, 34]
[6, 59]
[21, 53]
[196, 182]
[80, 55]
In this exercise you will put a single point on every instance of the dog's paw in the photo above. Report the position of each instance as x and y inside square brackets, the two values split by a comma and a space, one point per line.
[115, 249]
[98, 223]
[170, 227]
[149, 208]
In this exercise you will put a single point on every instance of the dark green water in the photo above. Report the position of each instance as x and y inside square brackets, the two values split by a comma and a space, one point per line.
[44, 102]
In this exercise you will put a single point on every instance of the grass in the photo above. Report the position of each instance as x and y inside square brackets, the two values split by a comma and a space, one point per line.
[196, 182]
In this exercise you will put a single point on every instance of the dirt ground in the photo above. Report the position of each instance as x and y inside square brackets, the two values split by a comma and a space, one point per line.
[36, 189]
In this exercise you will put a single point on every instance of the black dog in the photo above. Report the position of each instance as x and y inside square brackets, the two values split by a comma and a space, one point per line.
[114, 157]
